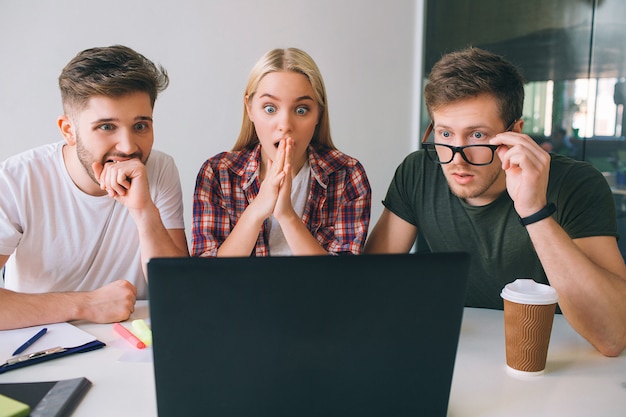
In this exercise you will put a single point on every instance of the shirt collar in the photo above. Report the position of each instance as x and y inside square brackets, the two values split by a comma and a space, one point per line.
[248, 166]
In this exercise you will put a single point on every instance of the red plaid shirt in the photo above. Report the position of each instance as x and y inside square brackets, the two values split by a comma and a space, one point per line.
[337, 212]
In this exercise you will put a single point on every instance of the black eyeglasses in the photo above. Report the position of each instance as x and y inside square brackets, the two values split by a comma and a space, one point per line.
[479, 155]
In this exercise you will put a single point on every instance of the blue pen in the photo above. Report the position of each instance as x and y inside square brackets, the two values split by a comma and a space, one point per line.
[30, 341]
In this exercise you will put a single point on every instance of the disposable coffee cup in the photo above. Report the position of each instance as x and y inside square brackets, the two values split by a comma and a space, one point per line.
[528, 316]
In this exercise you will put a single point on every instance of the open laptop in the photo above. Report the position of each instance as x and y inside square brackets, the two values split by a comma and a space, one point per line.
[368, 335]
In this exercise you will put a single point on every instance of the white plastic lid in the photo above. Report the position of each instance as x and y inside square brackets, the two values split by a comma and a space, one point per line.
[527, 291]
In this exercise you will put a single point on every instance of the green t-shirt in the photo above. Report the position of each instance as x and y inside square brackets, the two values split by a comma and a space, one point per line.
[500, 247]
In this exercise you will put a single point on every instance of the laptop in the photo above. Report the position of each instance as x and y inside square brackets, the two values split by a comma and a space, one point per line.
[367, 335]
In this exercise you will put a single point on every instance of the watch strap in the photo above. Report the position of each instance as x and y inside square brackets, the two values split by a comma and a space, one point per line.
[547, 211]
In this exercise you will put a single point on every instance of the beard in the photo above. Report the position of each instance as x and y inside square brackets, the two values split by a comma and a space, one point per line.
[486, 179]
[87, 159]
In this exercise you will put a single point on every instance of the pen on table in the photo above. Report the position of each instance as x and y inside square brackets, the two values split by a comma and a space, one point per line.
[30, 341]
[130, 338]
[142, 331]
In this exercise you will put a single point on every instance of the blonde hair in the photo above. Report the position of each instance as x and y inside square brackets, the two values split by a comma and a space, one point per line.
[290, 59]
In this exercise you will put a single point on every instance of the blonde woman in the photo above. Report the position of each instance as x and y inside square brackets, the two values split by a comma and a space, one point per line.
[284, 189]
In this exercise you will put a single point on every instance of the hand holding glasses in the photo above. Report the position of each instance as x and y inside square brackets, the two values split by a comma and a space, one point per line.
[478, 155]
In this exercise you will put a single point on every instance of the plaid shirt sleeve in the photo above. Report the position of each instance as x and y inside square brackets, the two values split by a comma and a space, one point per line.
[353, 217]
[340, 213]
[211, 223]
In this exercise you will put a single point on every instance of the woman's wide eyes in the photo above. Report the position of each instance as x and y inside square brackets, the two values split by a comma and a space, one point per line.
[301, 111]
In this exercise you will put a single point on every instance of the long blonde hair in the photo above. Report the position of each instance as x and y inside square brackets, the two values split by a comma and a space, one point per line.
[290, 59]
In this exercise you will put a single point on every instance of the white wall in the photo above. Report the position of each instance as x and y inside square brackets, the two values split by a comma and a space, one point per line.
[367, 52]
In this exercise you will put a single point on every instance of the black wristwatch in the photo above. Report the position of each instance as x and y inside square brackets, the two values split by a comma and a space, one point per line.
[547, 211]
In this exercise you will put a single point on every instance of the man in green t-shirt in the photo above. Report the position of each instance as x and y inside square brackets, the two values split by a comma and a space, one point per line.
[483, 187]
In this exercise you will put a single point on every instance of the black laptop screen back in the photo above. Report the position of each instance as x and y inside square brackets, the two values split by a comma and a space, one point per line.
[369, 335]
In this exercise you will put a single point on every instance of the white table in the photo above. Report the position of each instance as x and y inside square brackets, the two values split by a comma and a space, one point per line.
[578, 381]
[120, 388]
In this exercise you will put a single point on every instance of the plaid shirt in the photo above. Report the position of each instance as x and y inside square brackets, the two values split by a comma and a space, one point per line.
[337, 212]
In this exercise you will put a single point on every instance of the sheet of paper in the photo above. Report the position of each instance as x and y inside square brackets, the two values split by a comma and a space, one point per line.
[59, 334]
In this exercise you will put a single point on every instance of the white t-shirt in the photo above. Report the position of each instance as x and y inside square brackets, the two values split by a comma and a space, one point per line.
[61, 239]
